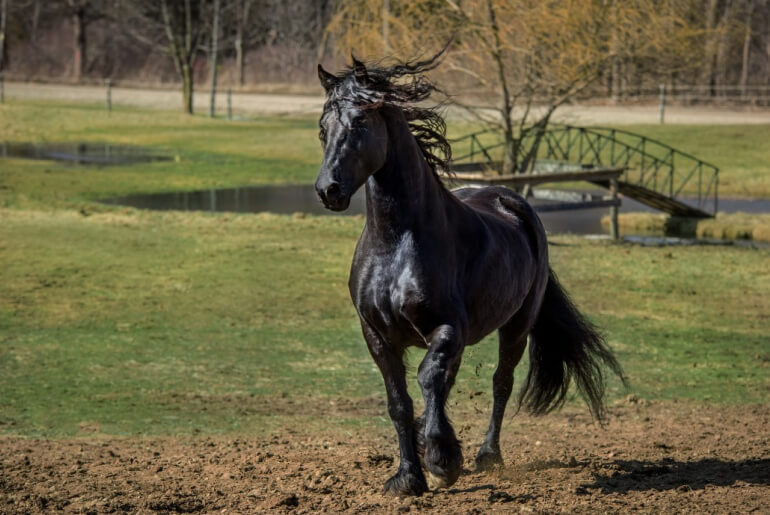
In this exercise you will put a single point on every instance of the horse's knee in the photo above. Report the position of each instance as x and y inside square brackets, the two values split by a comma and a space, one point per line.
[442, 359]
[432, 371]
[400, 411]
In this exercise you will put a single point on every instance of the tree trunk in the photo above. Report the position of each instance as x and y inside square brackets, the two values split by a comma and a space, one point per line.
[615, 62]
[720, 70]
[79, 40]
[239, 59]
[711, 44]
[764, 9]
[214, 53]
[187, 88]
[746, 48]
[385, 27]
[767, 54]
[510, 146]
[243, 19]
[3, 31]
[35, 19]
[615, 78]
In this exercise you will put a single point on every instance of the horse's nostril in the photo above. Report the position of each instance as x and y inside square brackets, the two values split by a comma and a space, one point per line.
[332, 191]
[321, 195]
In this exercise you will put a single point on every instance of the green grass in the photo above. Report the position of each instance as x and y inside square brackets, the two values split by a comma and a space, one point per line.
[125, 322]
[741, 152]
[207, 153]
[217, 153]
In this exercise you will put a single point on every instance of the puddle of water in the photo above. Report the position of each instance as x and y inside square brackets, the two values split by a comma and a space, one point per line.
[284, 200]
[100, 154]
[302, 198]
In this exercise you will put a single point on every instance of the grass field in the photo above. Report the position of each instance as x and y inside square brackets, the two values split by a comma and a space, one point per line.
[216, 153]
[116, 321]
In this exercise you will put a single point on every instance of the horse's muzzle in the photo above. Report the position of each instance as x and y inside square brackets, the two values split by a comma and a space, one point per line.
[332, 196]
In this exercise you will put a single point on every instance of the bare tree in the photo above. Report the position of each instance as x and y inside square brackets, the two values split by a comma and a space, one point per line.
[177, 26]
[243, 11]
[213, 57]
[745, 54]
[78, 15]
[530, 56]
[81, 13]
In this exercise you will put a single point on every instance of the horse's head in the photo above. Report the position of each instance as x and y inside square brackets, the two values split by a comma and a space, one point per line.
[353, 134]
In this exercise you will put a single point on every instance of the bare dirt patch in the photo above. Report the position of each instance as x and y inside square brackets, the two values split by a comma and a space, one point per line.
[649, 458]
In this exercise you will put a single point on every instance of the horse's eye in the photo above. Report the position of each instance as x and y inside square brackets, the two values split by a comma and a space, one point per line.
[322, 135]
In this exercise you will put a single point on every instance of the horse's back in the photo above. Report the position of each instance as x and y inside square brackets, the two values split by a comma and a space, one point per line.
[496, 203]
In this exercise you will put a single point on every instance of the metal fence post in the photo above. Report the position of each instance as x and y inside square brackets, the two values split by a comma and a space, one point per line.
[662, 102]
[108, 83]
[229, 103]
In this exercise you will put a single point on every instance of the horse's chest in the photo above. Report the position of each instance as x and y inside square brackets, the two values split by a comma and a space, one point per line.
[388, 291]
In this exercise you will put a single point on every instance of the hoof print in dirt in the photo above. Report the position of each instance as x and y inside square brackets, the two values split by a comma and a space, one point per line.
[291, 501]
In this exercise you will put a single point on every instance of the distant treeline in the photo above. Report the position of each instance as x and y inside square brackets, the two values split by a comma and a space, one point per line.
[280, 42]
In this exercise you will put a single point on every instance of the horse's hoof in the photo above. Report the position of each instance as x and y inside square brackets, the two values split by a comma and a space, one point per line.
[404, 484]
[488, 460]
[443, 462]
[435, 482]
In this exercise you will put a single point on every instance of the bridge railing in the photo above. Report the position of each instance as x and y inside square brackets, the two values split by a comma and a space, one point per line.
[649, 163]
[481, 147]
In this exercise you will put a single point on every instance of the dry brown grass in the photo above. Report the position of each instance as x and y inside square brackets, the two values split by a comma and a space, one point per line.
[732, 226]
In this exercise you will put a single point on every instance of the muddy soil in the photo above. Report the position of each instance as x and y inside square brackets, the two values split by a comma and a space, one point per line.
[655, 458]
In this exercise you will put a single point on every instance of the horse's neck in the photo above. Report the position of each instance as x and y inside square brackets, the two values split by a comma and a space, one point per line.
[403, 195]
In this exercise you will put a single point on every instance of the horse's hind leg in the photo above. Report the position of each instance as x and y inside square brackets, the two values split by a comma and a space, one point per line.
[513, 341]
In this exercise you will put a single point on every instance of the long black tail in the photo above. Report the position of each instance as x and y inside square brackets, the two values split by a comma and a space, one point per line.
[564, 345]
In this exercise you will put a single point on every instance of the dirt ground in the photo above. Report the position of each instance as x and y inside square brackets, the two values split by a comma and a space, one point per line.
[669, 458]
[284, 104]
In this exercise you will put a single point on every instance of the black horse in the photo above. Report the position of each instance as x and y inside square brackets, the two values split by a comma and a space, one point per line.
[441, 269]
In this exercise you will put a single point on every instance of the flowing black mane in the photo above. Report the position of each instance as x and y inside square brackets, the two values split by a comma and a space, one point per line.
[401, 85]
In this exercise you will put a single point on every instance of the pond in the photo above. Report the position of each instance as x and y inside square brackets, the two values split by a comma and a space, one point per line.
[99, 154]
[302, 198]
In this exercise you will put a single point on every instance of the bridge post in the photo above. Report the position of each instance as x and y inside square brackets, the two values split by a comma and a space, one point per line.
[614, 232]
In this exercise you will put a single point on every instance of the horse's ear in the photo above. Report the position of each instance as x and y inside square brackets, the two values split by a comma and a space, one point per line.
[359, 70]
[328, 80]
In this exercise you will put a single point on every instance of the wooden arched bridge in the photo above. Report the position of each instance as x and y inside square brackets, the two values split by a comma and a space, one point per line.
[636, 166]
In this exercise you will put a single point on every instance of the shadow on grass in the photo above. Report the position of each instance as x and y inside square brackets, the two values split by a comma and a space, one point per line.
[669, 474]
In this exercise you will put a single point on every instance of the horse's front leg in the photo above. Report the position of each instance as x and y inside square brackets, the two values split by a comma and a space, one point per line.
[443, 455]
[409, 479]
